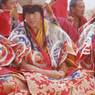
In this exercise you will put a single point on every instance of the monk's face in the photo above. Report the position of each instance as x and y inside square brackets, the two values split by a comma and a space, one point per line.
[79, 8]
[34, 19]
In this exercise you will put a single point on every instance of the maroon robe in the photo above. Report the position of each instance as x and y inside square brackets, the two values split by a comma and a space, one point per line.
[69, 28]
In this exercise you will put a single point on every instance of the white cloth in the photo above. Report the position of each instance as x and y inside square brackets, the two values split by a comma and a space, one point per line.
[41, 2]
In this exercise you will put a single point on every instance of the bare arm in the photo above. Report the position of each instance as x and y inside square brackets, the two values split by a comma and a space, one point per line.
[50, 73]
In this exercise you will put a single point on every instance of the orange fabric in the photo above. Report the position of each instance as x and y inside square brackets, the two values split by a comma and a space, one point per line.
[40, 37]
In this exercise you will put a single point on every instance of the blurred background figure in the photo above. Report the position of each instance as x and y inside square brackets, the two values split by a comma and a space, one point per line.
[6, 7]
[89, 6]
[16, 15]
[76, 13]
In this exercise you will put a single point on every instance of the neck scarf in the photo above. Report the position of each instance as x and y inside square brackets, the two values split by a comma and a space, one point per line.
[41, 36]
[38, 40]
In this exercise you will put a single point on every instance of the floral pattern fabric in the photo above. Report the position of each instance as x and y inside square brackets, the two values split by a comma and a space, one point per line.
[79, 83]
[55, 38]
[41, 85]
[86, 46]
[6, 53]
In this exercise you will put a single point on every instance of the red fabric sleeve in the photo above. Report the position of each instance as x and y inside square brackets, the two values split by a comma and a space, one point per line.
[5, 24]
[60, 8]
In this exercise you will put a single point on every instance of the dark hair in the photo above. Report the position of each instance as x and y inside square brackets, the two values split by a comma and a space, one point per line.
[31, 9]
[2, 2]
[73, 3]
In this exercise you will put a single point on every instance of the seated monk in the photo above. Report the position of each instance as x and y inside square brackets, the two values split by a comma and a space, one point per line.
[43, 55]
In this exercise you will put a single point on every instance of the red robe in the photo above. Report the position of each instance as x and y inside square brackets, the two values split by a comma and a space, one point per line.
[60, 8]
[5, 23]
[69, 28]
